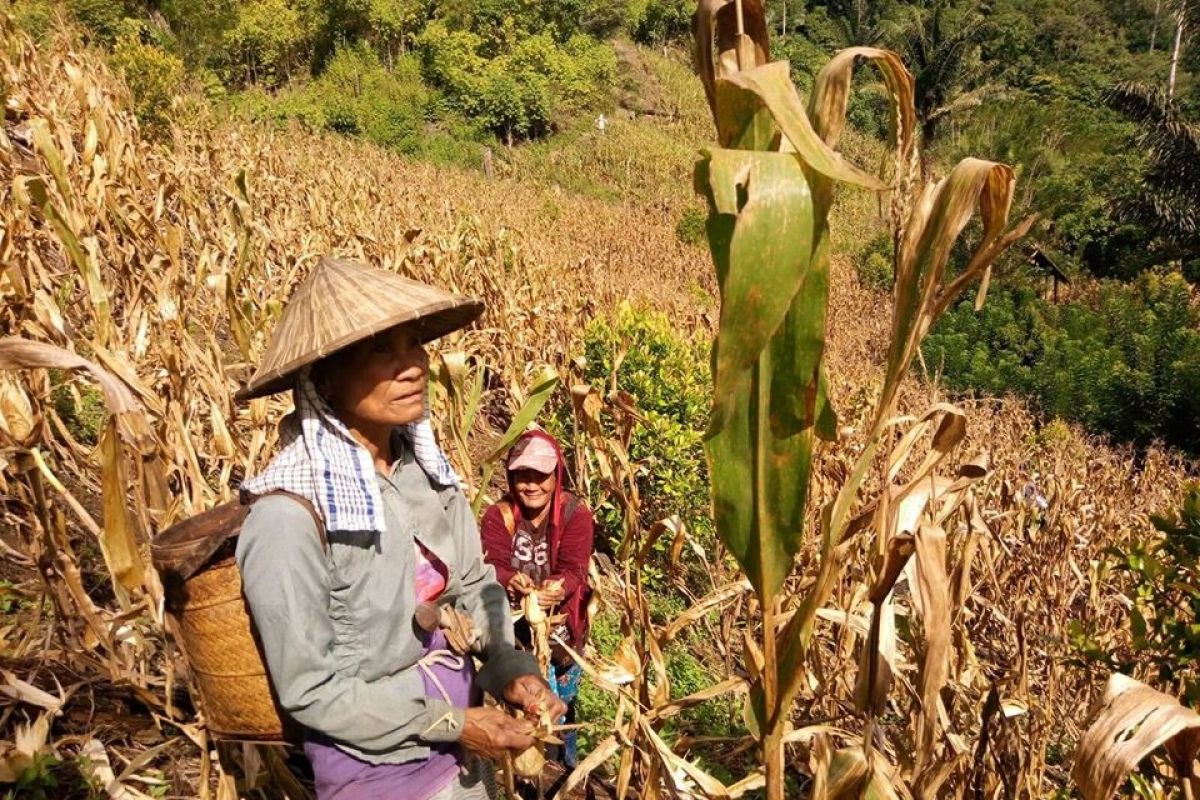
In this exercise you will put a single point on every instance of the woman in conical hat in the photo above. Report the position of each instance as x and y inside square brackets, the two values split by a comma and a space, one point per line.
[358, 525]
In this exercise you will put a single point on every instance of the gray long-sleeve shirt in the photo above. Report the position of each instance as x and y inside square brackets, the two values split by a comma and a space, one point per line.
[337, 626]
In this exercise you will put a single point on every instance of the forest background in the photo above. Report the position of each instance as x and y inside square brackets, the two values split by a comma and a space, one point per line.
[1095, 104]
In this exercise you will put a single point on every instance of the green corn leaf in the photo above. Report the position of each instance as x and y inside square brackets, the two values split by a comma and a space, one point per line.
[771, 84]
[766, 358]
[545, 381]
[463, 384]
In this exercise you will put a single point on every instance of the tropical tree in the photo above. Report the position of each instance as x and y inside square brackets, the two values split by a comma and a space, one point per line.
[267, 41]
[1187, 17]
[861, 22]
[940, 43]
[1167, 203]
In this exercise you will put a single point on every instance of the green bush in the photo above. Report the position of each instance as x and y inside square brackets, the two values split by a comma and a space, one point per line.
[668, 374]
[35, 17]
[84, 413]
[515, 105]
[267, 41]
[593, 704]
[1126, 363]
[516, 94]
[102, 18]
[805, 56]
[154, 77]
[358, 95]
[450, 61]
[657, 21]
[874, 263]
[502, 24]
[691, 226]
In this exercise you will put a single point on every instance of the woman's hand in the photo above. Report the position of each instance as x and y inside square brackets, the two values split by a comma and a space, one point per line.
[520, 585]
[534, 696]
[491, 733]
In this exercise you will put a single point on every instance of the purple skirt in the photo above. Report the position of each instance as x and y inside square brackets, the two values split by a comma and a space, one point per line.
[340, 776]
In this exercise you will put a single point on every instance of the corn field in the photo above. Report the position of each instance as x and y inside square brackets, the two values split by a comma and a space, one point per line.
[140, 281]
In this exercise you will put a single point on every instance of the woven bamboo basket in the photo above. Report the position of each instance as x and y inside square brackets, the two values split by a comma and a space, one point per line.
[224, 655]
[214, 628]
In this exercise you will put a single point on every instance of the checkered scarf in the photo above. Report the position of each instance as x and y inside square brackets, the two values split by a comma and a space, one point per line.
[320, 460]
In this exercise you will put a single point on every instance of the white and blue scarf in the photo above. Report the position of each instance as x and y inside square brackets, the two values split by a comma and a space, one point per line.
[320, 460]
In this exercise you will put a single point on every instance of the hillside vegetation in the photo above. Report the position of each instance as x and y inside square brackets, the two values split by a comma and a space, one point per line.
[1095, 104]
[162, 248]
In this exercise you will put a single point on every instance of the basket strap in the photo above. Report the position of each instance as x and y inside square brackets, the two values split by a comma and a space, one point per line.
[510, 520]
[308, 506]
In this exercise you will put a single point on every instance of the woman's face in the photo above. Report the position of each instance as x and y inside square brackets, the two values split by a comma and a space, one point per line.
[379, 382]
[534, 489]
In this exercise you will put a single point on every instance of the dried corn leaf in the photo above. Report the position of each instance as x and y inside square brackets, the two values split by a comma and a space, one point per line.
[935, 223]
[716, 599]
[739, 43]
[686, 777]
[878, 658]
[29, 742]
[599, 755]
[27, 693]
[95, 764]
[120, 536]
[17, 353]
[933, 586]
[16, 413]
[831, 95]
[1134, 721]
[727, 686]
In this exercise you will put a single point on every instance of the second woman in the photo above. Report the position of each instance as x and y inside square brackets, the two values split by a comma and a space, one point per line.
[540, 537]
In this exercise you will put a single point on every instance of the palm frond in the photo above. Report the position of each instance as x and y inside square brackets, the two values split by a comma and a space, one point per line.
[1168, 202]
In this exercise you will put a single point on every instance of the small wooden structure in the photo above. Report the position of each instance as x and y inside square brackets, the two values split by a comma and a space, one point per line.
[1038, 257]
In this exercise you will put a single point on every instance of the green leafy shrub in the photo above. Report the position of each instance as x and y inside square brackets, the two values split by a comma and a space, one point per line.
[266, 42]
[101, 18]
[154, 77]
[35, 17]
[689, 674]
[358, 95]
[668, 375]
[83, 411]
[1126, 363]
[594, 704]
[805, 56]
[516, 94]
[874, 263]
[658, 21]
[450, 61]
[690, 228]
[515, 105]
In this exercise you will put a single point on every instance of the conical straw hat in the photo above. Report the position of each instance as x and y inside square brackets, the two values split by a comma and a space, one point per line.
[343, 302]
